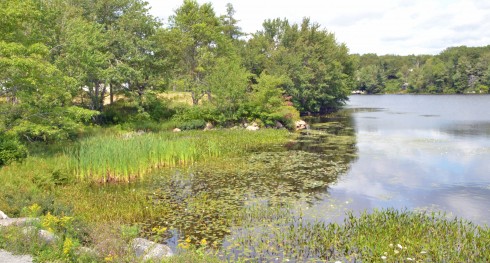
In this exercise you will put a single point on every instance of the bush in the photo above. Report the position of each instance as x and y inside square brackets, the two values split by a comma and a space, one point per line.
[158, 109]
[192, 125]
[118, 112]
[11, 149]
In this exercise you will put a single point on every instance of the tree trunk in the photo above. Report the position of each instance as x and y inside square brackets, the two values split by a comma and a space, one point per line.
[111, 94]
[102, 95]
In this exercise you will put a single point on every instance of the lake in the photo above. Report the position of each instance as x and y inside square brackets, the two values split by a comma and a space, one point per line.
[414, 152]
[419, 152]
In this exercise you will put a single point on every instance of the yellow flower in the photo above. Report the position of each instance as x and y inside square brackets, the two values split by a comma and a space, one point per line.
[204, 242]
[184, 245]
[67, 246]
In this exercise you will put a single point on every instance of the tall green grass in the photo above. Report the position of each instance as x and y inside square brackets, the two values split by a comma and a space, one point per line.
[125, 157]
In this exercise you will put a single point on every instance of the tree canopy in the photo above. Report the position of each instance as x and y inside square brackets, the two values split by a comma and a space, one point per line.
[64, 64]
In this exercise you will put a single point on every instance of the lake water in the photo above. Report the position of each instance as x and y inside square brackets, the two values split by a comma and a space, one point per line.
[414, 152]
[418, 152]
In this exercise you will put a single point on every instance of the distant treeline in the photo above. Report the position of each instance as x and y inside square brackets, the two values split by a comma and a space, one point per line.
[455, 70]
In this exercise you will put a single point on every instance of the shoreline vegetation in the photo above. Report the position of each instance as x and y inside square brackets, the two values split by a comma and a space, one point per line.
[91, 93]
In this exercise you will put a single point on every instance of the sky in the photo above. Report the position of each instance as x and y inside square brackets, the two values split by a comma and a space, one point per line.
[400, 27]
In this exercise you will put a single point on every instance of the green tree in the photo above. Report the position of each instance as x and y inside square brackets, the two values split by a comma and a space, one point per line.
[319, 69]
[84, 57]
[228, 82]
[198, 43]
[230, 23]
[39, 105]
[370, 79]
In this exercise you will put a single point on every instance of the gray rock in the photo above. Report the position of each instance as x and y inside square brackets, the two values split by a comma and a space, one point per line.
[11, 258]
[45, 235]
[14, 221]
[148, 250]
[279, 125]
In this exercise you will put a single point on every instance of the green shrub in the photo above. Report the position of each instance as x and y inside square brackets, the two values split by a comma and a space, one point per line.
[157, 108]
[11, 149]
[192, 125]
[118, 112]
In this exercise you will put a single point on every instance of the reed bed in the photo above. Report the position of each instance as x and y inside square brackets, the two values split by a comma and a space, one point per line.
[272, 234]
[125, 157]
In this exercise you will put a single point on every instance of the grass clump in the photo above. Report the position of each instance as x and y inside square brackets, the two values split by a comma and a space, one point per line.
[134, 155]
[384, 235]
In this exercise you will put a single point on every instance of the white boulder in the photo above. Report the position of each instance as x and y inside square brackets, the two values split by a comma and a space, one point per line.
[148, 250]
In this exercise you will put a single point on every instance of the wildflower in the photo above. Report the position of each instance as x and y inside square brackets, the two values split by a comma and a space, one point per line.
[391, 245]
[204, 242]
[409, 259]
[423, 252]
[399, 246]
[396, 251]
[383, 257]
[67, 246]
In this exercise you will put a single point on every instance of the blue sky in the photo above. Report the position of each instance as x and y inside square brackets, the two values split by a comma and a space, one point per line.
[375, 26]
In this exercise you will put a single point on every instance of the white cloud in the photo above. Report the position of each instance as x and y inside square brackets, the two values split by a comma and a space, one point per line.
[376, 26]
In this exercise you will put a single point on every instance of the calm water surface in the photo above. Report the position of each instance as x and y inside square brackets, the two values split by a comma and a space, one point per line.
[418, 152]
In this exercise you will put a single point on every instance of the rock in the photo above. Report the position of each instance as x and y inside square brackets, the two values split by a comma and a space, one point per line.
[3, 215]
[279, 125]
[253, 127]
[14, 221]
[176, 130]
[11, 258]
[45, 235]
[301, 125]
[149, 250]
[209, 126]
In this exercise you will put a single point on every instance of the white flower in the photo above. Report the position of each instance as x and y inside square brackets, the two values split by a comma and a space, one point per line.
[396, 251]
[391, 245]
[423, 252]
[399, 246]
[383, 257]
[410, 259]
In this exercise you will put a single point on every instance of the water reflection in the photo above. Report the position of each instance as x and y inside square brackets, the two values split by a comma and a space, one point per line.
[203, 198]
[434, 155]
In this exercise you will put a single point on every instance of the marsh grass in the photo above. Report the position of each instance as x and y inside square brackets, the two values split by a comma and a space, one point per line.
[268, 234]
[129, 156]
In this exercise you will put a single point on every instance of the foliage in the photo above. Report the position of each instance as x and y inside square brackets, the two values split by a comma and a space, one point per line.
[11, 149]
[269, 104]
[197, 43]
[455, 70]
[318, 69]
